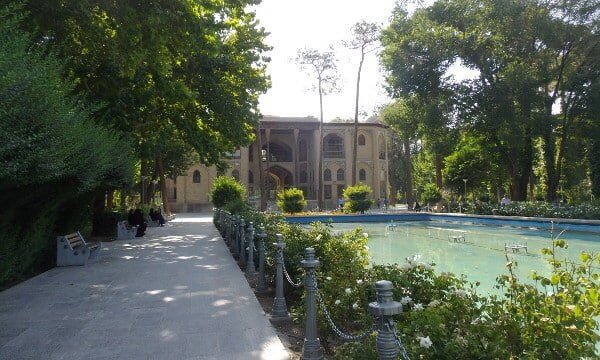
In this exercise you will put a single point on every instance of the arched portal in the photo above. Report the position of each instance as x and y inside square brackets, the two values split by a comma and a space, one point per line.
[278, 179]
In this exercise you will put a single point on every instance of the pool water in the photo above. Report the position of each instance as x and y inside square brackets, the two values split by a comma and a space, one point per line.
[480, 257]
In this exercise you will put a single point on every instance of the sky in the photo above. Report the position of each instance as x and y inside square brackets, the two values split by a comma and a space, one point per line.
[295, 24]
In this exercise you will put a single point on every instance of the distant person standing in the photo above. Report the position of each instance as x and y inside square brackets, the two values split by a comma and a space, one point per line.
[505, 200]
[378, 203]
[341, 203]
[385, 203]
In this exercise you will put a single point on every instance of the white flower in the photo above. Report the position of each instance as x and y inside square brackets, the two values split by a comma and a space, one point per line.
[407, 266]
[434, 303]
[359, 282]
[337, 302]
[424, 342]
[460, 293]
[348, 291]
[328, 278]
[366, 235]
[318, 237]
[355, 306]
[418, 307]
[405, 300]
[366, 247]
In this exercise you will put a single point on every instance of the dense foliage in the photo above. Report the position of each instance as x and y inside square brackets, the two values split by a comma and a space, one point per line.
[536, 209]
[291, 200]
[53, 157]
[431, 195]
[444, 317]
[225, 190]
[520, 117]
[357, 198]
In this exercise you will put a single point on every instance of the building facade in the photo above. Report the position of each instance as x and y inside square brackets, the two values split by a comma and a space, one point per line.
[285, 154]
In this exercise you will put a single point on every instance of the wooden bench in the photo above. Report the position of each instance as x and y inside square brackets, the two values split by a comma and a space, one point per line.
[125, 231]
[73, 250]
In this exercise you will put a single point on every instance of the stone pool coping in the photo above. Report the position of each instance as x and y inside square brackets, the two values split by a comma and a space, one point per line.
[498, 220]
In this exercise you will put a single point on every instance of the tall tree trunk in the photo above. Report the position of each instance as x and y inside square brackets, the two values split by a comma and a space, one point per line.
[355, 142]
[143, 181]
[320, 190]
[410, 197]
[160, 169]
[532, 186]
[438, 172]
[549, 161]
[110, 199]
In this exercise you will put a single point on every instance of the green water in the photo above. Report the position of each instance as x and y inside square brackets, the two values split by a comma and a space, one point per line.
[481, 257]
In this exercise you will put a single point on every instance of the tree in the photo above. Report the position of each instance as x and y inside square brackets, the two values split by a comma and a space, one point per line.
[324, 66]
[198, 81]
[402, 116]
[357, 198]
[365, 37]
[291, 200]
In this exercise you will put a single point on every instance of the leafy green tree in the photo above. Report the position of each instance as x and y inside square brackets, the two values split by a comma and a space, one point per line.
[357, 198]
[226, 189]
[291, 200]
[54, 157]
[431, 195]
[470, 160]
[190, 70]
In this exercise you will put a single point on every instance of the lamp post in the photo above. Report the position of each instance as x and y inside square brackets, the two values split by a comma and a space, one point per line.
[465, 180]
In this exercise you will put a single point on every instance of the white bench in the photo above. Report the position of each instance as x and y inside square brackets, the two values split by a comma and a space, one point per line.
[73, 250]
[125, 231]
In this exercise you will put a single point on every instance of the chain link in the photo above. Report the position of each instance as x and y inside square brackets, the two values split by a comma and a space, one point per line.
[403, 352]
[289, 278]
[334, 328]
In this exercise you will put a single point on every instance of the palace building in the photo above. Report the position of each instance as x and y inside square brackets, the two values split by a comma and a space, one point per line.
[285, 154]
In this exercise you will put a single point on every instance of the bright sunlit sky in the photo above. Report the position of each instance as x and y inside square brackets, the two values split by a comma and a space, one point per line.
[317, 24]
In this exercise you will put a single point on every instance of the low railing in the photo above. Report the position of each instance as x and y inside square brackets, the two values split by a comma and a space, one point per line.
[240, 237]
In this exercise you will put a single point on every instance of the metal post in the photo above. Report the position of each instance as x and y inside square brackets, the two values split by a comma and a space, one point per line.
[279, 305]
[234, 238]
[384, 309]
[250, 268]
[312, 346]
[261, 282]
[241, 242]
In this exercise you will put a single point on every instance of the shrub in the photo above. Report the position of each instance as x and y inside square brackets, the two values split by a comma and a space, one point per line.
[291, 200]
[357, 198]
[537, 209]
[226, 189]
[431, 194]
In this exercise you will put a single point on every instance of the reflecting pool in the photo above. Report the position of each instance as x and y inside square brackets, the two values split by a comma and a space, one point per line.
[477, 251]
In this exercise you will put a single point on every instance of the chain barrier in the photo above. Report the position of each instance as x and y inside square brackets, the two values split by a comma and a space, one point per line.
[403, 352]
[289, 278]
[334, 328]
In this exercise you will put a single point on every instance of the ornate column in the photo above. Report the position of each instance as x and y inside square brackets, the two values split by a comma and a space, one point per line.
[296, 150]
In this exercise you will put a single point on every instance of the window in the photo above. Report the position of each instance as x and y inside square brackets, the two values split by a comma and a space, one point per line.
[381, 147]
[303, 176]
[333, 147]
[251, 153]
[340, 190]
[361, 140]
[278, 152]
[327, 175]
[250, 177]
[362, 175]
[196, 177]
[302, 150]
[340, 175]
[236, 174]
[327, 190]
[233, 155]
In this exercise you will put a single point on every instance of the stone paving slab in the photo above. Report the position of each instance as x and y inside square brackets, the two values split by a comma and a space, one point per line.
[174, 294]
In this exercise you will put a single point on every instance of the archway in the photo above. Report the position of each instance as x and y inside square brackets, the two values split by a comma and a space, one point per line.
[278, 179]
[278, 152]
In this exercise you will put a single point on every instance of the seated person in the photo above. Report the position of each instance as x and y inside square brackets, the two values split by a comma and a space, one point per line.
[157, 216]
[417, 207]
[138, 220]
[130, 218]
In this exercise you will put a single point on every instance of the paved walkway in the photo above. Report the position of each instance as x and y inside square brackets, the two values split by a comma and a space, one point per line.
[174, 294]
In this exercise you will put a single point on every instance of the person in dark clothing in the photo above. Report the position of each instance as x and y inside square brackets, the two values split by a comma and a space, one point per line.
[157, 216]
[130, 218]
[138, 220]
[417, 207]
